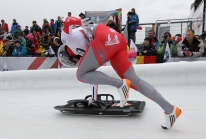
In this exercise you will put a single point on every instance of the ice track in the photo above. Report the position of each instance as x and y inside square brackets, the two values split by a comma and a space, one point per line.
[27, 99]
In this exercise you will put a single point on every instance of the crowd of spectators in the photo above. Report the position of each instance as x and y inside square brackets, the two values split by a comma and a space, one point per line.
[190, 46]
[45, 40]
[36, 40]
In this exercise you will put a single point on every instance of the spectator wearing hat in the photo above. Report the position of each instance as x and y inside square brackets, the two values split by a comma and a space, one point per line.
[36, 27]
[5, 26]
[58, 25]
[9, 37]
[148, 48]
[19, 49]
[17, 32]
[21, 38]
[82, 16]
[111, 24]
[14, 26]
[7, 47]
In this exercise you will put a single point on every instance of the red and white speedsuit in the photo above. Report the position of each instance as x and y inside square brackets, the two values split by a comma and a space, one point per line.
[102, 44]
[106, 43]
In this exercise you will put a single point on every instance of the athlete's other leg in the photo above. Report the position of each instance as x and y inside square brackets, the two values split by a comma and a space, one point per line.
[124, 68]
[171, 112]
[105, 44]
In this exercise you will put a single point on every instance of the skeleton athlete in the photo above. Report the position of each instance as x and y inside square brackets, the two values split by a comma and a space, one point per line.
[90, 46]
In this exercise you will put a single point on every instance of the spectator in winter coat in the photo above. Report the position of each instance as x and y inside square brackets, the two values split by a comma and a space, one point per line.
[111, 24]
[190, 46]
[1, 30]
[47, 27]
[26, 30]
[21, 38]
[5, 26]
[134, 24]
[35, 42]
[53, 49]
[17, 32]
[8, 48]
[44, 20]
[167, 38]
[44, 40]
[200, 39]
[58, 25]
[52, 25]
[35, 27]
[148, 49]
[151, 35]
[19, 49]
[14, 26]
[51, 38]
[177, 38]
[127, 28]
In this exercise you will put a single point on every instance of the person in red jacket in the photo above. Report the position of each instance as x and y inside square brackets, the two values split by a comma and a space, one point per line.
[5, 25]
[90, 46]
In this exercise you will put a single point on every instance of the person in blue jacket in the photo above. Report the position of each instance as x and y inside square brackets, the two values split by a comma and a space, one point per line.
[14, 26]
[58, 26]
[134, 24]
[19, 49]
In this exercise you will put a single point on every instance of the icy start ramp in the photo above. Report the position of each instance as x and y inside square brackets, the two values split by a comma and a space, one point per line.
[27, 99]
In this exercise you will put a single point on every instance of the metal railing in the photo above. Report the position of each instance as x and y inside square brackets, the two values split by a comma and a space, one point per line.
[174, 26]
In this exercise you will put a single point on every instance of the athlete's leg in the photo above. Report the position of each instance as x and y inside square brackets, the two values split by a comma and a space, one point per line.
[87, 71]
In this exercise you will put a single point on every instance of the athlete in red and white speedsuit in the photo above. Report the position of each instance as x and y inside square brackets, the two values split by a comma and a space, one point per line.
[102, 44]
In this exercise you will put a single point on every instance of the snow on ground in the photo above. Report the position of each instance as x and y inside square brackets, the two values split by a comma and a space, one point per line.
[27, 99]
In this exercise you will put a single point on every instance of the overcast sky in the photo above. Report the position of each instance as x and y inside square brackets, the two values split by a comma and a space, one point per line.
[25, 11]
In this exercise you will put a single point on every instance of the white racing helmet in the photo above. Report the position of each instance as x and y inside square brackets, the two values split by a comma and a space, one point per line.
[65, 59]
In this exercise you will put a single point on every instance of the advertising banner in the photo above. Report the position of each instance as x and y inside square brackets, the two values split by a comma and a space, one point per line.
[101, 17]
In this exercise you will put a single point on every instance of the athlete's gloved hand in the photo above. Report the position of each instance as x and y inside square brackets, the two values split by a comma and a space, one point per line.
[86, 23]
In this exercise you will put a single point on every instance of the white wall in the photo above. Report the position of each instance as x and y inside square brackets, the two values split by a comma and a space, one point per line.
[171, 74]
